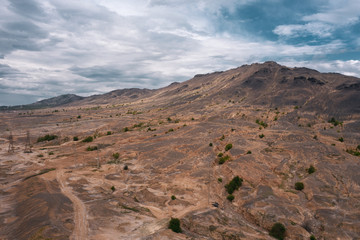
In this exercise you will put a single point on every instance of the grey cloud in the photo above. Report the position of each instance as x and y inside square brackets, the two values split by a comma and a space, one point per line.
[27, 8]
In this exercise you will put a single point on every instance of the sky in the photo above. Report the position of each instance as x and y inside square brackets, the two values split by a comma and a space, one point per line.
[54, 47]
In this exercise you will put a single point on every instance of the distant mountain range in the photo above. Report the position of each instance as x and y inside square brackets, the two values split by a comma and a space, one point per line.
[257, 84]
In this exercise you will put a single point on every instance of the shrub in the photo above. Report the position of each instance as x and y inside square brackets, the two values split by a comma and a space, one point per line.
[353, 152]
[108, 133]
[315, 137]
[311, 169]
[171, 130]
[76, 138]
[173, 197]
[210, 144]
[219, 179]
[126, 167]
[79, 116]
[261, 123]
[335, 122]
[192, 119]
[358, 147]
[223, 159]
[47, 137]
[230, 197]
[261, 135]
[299, 186]
[174, 225]
[228, 147]
[116, 155]
[222, 138]
[40, 155]
[126, 129]
[91, 148]
[51, 153]
[278, 231]
[248, 152]
[112, 188]
[234, 184]
[220, 154]
[341, 139]
[88, 139]
[312, 237]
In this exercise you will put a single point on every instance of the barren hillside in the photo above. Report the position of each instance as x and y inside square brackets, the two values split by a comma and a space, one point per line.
[169, 153]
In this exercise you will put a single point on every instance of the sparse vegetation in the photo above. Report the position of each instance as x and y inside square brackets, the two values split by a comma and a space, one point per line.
[278, 231]
[261, 123]
[222, 138]
[47, 137]
[311, 169]
[91, 148]
[223, 159]
[335, 122]
[355, 152]
[88, 139]
[299, 186]
[228, 147]
[230, 197]
[174, 225]
[234, 184]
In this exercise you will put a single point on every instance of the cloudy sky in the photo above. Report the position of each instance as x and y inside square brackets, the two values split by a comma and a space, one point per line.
[53, 47]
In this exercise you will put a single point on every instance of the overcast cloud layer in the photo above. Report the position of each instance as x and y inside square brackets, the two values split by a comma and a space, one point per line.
[53, 47]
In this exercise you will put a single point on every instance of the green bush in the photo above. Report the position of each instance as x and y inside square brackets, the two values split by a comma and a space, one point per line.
[47, 137]
[79, 116]
[116, 155]
[311, 169]
[278, 231]
[51, 153]
[126, 167]
[230, 197]
[112, 188]
[220, 154]
[76, 138]
[108, 133]
[219, 179]
[222, 138]
[234, 184]
[174, 225]
[248, 152]
[173, 197]
[228, 147]
[341, 139]
[126, 129]
[91, 148]
[210, 144]
[261, 123]
[88, 139]
[335, 122]
[312, 237]
[261, 135]
[223, 159]
[299, 186]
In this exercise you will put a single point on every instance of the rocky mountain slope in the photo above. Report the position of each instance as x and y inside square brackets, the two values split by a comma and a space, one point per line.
[169, 153]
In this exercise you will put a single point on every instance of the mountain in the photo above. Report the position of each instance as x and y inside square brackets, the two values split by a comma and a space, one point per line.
[266, 84]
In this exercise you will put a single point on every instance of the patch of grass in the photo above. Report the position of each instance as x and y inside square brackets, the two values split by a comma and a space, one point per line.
[88, 139]
[46, 170]
[261, 123]
[234, 184]
[47, 137]
[278, 231]
[228, 146]
[174, 225]
[91, 148]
